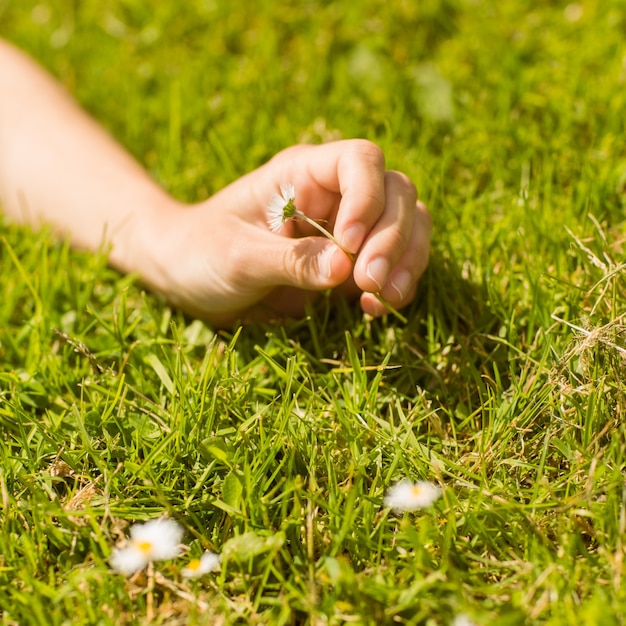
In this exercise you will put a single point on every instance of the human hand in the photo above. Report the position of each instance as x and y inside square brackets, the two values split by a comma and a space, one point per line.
[219, 260]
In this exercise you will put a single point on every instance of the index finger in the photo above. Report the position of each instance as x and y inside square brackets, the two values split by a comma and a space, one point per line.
[355, 169]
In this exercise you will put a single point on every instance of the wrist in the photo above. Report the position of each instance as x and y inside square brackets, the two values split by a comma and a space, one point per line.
[142, 244]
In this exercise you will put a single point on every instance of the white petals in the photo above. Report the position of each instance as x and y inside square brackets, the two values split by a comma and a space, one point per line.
[207, 563]
[288, 192]
[281, 207]
[128, 560]
[159, 538]
[156, 540]
[275, 217]
[409, 496]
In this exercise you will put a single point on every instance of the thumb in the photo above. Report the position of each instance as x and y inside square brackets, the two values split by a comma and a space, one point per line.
[311, 263]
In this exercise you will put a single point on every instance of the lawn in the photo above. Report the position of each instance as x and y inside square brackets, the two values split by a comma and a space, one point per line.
[274, 445]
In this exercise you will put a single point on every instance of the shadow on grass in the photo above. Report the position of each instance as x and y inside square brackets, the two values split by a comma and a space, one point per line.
[450, 350]
[453, 348]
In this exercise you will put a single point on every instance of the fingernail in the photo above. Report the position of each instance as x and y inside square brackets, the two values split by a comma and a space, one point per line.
[378, 271]
[401, 282]
[353, 237]
[326, 260]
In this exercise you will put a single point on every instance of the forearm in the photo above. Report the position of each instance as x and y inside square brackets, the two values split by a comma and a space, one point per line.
[58, 167]
[218, 258]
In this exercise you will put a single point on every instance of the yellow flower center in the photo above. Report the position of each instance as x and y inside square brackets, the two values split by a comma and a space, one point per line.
[194, 564]
[145, 546]
[416, 490]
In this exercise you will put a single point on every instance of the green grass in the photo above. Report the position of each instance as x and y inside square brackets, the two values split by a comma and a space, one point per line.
[277, 443]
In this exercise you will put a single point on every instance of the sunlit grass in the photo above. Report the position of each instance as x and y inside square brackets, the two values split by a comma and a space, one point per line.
[275, 445]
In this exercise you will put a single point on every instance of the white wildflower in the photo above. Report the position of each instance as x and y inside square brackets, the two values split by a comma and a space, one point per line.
[409, 496]
[207, 563]
[281, 207]
[156, 540]
[128, 560]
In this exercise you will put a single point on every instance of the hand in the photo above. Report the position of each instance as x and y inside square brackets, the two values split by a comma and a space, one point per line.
[219, 260]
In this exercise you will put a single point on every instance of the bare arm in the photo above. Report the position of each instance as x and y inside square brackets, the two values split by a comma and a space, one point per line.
[216, 259]
[57, 166]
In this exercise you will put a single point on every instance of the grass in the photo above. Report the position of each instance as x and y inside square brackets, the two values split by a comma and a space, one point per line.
[275, 444]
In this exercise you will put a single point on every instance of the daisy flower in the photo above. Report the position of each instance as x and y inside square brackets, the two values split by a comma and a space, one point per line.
[156, 540]
[128, 560]
[207, 563]
[281, 207]
[409, 496]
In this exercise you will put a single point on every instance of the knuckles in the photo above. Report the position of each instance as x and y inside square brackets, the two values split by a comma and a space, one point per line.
[361, 149]
[366, 150]
[424, 216]
[401, 184]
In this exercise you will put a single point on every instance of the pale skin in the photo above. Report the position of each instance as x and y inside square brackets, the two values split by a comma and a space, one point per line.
[216, 259]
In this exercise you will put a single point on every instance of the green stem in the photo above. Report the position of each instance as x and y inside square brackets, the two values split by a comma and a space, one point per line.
[324, 232]
[390, 308]
[352, 257]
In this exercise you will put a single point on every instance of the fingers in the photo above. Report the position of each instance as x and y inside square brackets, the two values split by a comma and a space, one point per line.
[352, 175]
[361, 172]
[389, 238]
[373, 213]
[401, 283]
[309, 263]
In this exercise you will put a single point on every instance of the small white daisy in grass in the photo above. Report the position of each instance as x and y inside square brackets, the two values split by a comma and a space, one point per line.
[207, 563]
[156, 540]
[410, 496]
[128, 560]
[281, 207]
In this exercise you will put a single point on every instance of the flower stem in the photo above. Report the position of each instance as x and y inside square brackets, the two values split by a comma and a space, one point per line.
[391, 309]
[324, 232]
[351, 256]
[150, 593]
